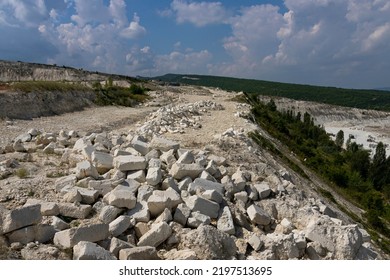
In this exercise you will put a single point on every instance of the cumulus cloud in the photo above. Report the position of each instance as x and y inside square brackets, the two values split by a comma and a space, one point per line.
[198, 13]
[314, 41]
[23, 12]
[183, 62]
[98, 34]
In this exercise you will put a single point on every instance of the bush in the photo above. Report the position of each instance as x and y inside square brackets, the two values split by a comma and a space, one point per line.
[21, 173]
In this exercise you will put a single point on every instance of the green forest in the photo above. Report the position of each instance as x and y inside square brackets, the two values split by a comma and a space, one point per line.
[357, 98]
[347, 166]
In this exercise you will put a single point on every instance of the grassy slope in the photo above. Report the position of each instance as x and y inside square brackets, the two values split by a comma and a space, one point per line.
[363, 99]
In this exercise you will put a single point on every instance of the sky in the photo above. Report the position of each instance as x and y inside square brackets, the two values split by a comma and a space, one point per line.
[343, 43]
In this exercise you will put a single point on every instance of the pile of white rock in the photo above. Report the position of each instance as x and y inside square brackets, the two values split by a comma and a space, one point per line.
[131, 198]
[176, 118]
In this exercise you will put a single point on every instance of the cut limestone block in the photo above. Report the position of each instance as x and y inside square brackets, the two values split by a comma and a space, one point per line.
[181, 170]
[129, 163]
[204, 206]
[21, 217]
[139, 253]
[156, 235]
[74, 211]
[85, 250]
[225, 222]
[258, 216]
[70, 237]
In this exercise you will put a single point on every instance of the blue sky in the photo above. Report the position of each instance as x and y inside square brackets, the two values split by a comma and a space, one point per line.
[342, 43]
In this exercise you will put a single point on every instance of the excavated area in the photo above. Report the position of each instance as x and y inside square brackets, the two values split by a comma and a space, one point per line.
[177, 178]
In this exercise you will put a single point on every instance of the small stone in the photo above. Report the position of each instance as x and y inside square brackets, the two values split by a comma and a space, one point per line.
[139, 253]
[258, 215]
[85, 250]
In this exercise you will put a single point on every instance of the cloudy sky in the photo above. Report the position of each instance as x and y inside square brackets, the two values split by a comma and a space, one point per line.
[324, 42]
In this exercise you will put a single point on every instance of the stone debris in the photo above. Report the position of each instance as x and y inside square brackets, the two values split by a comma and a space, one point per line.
[140, 196]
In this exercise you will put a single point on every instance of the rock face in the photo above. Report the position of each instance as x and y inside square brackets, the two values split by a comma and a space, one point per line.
[137, 195]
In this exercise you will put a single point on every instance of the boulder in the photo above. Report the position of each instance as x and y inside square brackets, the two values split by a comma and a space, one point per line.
[139, 253]
[47, 208]
[121, 197]
[204, 206]
[21, 217]
[86, 169]
[209, 243]
[70, 237]
[140, 213]
[120, 225]
[109, 214]
[263, 190]
[74, 211]
[117, 244]
[181, 170]
[156, 235]
[154, 176]
[239, 180]
[102, 161]
[85, 250]
[258, 216]
[182, 213]
[40, 233]
[225, 222]
[163, 144]
[196, 219]
[206, 185]
[129, 163]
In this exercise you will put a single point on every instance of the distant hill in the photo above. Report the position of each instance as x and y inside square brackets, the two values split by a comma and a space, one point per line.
[356, 98]
[11, 71]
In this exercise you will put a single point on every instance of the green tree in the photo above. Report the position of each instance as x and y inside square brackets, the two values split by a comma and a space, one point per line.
[378, 168]
[340, 139]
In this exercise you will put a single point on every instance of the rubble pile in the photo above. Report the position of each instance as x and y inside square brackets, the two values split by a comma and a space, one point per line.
[176, 118]
[129, 197]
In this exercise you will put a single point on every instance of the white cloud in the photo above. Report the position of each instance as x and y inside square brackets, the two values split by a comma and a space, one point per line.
[98, 35]
[134, 30]
[23, 12]
[179, 62]
[198, 13]
[315, 41]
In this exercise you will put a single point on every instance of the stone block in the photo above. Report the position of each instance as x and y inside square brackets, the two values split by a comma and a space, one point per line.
[120, 225]
[21, 217]
[186, 158]
[263, 189]
[156, 235]
[85, 250]
[86, 169]
[163, 144]
[40, 233]
[203, 184]
[70, 237]
[140, 212]
[204, 206]
[196, 219]
[47, 208]
[59, 224]
[138, 175]
[225, 221]
[154, 176]
[239, 180]
[139, 253]
[129, 163]
[182, 213]
[65, 181]
[102, 161]
[256, 242]
[109, 214]
[117, 244]
[181, 170]
[74, 211]
[213, 195]
[121, 197]
[258, 216]
[140, 146]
